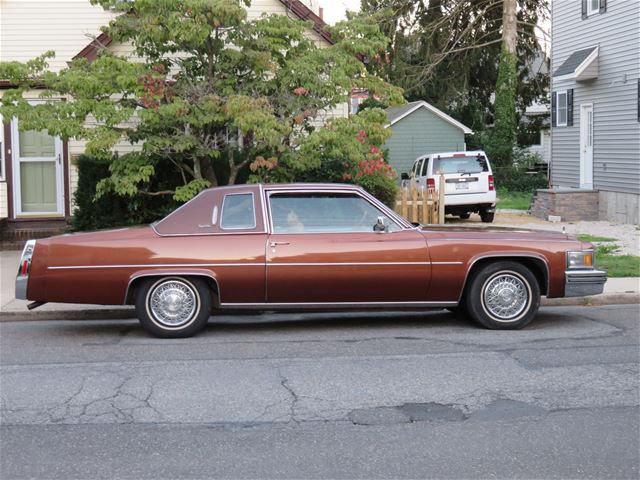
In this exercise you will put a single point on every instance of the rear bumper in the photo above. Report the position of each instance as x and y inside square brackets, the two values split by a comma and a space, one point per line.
[470, 198]
[581, 283]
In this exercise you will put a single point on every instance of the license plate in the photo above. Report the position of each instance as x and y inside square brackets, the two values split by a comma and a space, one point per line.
[462, 186]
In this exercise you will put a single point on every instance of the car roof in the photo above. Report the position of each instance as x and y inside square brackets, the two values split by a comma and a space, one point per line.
[469, 153]
[290, 186]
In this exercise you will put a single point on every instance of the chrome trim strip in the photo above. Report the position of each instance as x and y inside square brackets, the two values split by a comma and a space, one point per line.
[484, 239]
[338, 305]
[332, 264]
[171, 274]
[254, 264]
[507, 256]
[157, 265]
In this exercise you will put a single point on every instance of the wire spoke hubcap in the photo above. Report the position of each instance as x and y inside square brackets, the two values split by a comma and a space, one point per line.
[173, 303]
[505, 296]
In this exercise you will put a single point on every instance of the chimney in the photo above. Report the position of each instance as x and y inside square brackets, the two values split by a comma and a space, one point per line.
[321, 13]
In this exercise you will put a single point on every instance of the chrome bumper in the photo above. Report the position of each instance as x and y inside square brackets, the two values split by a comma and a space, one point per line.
[581, 283]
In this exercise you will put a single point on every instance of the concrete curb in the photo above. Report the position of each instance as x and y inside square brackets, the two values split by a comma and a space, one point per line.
[129, 313]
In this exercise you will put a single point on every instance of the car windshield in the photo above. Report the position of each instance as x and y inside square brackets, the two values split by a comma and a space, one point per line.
[461, 164]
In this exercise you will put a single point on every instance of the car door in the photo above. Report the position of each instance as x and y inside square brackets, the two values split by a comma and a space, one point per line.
[323, 249]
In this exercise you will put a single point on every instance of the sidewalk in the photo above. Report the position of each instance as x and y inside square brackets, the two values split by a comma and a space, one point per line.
[616, 291]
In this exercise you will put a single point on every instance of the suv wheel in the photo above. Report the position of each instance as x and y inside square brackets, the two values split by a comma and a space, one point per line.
[487, 217]
[503, 295]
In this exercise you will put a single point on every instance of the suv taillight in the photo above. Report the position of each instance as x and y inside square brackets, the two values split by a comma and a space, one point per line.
[491, 185]
[431, 183]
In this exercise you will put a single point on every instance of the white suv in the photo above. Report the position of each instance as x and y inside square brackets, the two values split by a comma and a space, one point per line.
[469, 186]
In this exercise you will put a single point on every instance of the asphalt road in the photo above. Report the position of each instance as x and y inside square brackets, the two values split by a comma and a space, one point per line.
[324, 396]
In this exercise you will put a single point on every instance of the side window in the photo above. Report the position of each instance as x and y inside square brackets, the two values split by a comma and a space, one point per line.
[324, 213]
[238, 212]
[425, 164]
[561, 114]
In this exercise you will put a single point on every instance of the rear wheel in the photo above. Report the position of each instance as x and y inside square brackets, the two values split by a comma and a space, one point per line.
[173, 307]
[503, 295]
[464, 216]
[487, 217]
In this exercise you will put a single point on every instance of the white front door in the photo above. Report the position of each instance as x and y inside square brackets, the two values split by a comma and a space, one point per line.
[37, 173]
[586, 146]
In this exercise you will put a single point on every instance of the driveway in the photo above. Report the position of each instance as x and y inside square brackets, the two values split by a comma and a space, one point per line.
[324, 396]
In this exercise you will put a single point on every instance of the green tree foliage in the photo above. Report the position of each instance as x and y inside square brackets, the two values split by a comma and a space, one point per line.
[345, 150]
[447, 52]
[209, 91]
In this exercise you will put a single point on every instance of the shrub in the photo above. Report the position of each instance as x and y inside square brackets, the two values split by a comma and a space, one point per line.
[519, 177]
[111, 210]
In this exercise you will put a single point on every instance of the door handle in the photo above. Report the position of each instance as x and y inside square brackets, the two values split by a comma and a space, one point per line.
[274, 244]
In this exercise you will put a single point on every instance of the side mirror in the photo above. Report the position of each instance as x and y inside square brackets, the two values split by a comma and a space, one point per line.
[380, 226]
[404, 176]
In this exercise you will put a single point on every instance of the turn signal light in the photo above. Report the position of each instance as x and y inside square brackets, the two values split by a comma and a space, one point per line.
[25, 267]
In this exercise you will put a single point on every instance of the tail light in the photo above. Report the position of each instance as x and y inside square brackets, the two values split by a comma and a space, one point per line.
[23, 270]
[431, 183]
[491, 185]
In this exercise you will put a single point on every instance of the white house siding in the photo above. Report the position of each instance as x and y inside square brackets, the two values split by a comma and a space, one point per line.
[616, 141]
[28, 28]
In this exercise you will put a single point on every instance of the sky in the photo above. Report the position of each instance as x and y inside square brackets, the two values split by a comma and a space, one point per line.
[334, 9]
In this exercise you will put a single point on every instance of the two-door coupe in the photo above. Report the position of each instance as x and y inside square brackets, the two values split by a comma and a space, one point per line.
[304, 247]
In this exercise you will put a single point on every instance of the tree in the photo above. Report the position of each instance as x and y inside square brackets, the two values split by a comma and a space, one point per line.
[210, 91]
[448, 52]
[503, 136]
[346, 150]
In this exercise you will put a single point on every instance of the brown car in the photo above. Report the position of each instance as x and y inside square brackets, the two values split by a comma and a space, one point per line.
[304, 247]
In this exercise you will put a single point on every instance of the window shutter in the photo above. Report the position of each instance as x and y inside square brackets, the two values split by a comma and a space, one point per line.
[603, 6]
[584, 9]
[570, 108]
[554, 113]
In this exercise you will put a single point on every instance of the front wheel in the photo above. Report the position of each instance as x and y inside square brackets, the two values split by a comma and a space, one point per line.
[503, 295]
[173, 307]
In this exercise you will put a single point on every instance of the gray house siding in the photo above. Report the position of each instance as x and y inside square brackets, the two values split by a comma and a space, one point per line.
[419, 133]
[614, 95]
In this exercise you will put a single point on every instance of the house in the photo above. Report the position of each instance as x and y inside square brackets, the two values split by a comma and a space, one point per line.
[37, 172]
[595, 133]
[420, 128]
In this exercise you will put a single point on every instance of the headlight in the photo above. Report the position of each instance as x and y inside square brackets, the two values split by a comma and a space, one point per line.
[580, 259]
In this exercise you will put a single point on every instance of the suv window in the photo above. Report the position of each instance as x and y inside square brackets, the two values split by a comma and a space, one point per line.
[462, 164]
[324, 212]
[238, 212]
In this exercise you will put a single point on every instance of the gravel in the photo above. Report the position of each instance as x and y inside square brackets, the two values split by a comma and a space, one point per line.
[627, 235]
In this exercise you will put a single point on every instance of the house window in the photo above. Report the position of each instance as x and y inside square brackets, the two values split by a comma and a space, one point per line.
[561, 109]
[593, 7]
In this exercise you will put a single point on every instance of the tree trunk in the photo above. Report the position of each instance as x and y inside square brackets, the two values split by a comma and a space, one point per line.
[503, 137]
[509, 26]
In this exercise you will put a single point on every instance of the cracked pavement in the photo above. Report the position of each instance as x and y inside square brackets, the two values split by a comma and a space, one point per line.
[259, 376]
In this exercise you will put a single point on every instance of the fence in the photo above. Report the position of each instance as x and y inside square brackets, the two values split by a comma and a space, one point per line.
[420, 204]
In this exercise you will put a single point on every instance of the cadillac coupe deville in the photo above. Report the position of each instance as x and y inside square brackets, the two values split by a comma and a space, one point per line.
[304, 247]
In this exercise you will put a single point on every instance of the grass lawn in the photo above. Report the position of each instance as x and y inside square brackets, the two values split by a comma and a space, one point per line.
[514, 200]
[585, 237]
[618, 265]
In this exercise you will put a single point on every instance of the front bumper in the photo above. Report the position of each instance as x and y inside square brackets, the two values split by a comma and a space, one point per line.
[581, 283]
